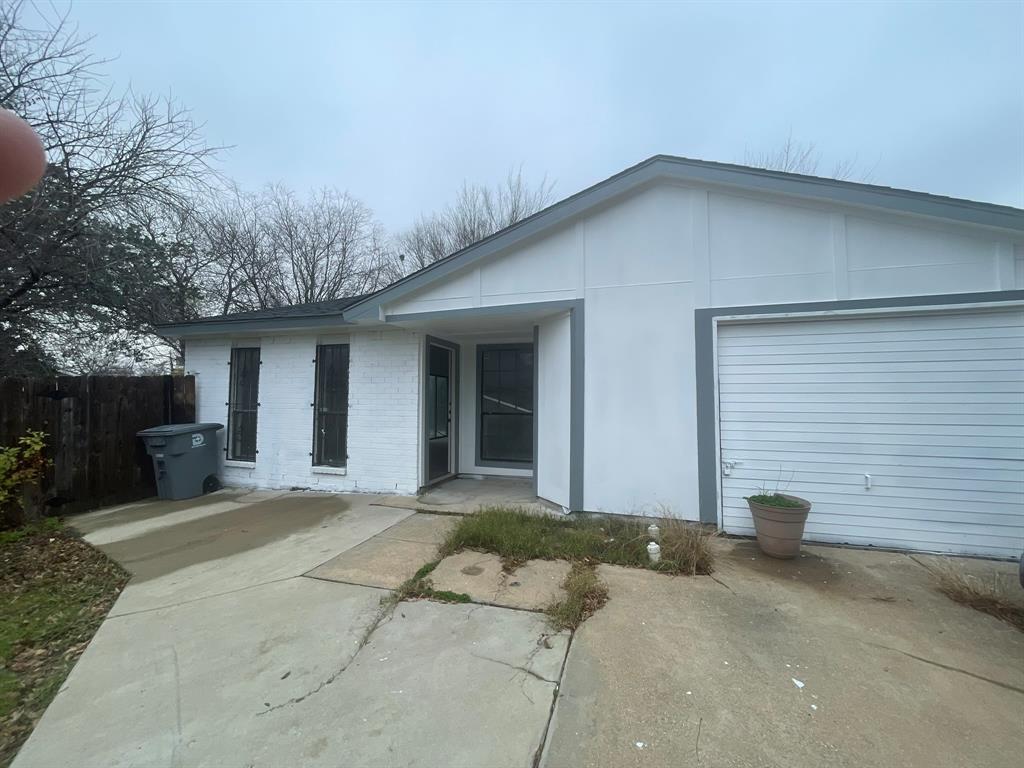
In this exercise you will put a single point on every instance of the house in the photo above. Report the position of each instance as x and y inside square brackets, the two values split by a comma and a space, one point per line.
[671, 339]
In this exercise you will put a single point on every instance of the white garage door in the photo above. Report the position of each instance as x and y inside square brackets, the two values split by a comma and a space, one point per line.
[903, 431]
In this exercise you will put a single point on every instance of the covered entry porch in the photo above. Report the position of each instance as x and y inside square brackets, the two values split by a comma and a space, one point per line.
[502, 395]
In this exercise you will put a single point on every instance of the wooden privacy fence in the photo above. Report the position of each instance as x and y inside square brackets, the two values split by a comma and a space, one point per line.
[91, 422]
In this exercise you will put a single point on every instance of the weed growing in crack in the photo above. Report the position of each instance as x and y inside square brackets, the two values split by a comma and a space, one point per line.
[994, 595]
[420, 587]
[585, 595]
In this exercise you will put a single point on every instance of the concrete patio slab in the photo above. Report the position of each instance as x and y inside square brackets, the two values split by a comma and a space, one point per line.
[379, 562]
[466, 495]
[464, 686]
[391, 557]
[249, 544]
[841, 658]
[191, 685]
[533, 586]
[423, 528]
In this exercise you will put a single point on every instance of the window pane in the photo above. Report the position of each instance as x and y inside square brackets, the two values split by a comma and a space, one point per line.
[243, 400]
[330, 424]
[506, 403]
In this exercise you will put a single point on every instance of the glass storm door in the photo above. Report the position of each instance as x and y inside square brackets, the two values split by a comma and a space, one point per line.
[439, 411]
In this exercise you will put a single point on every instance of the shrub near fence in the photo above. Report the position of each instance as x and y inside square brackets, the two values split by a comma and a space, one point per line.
[91, 423]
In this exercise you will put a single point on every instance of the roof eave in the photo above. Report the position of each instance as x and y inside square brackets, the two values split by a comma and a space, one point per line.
[202, 328]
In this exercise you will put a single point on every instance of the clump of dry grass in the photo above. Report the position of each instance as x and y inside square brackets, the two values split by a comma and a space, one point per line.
[995, 594]
[585, 594]
[687, 548]
[518, 536]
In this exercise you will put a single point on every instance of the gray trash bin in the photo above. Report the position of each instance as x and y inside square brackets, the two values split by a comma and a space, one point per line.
[185, 458]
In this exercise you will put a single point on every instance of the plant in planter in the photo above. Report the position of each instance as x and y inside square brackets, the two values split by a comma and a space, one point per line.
[779, 522]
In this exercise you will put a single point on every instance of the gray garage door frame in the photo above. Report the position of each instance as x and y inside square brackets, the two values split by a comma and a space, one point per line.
[705, 329]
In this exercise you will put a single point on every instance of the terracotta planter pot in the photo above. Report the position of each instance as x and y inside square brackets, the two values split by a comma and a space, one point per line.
[780, 529]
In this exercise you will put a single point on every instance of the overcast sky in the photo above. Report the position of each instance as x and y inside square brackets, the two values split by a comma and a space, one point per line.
[400, 103]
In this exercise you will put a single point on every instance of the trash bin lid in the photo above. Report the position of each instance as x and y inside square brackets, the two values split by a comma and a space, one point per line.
[166, 430]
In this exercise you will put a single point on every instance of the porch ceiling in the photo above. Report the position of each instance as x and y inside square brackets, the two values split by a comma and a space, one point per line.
[512, 318]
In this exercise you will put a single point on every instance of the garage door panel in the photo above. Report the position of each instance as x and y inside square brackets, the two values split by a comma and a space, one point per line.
[846, 387]
[905, 502]
[743, 400]
[846, 378]
[930, 405]
[943, 324]
[775, 432]
[802, 450]
[855, 405]
[789, 366]
[838, 354]
[906, 465]
[843, 417]
[983, 338]
[885, 477]
[782, 430]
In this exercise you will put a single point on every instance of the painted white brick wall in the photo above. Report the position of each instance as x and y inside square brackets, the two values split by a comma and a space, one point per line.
[383, 421]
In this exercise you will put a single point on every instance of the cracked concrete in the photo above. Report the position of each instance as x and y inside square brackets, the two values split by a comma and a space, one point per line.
[438, 684]
[391, 557]
[237, 660]
[531, 587]
[890, 672]
[220, 653]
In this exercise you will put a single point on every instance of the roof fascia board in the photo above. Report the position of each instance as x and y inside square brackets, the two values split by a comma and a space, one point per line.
[850, 193]
[263, 324]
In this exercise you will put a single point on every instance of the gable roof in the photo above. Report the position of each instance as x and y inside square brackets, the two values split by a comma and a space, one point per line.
[699, 171]
[311, 315]
[740, 177]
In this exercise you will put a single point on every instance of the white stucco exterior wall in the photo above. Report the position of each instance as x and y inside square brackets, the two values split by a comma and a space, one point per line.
[383, 423]
[644, 264]
[553, 409]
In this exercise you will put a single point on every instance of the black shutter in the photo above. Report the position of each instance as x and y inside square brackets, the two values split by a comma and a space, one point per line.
[243, 403]
[330, 408]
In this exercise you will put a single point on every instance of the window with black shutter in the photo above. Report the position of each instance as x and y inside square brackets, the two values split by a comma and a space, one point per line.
[330, 425]
[243, 403]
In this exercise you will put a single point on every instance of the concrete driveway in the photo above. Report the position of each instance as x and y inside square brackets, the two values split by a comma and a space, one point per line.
[220, 652]
[843, 657]
[250, 635]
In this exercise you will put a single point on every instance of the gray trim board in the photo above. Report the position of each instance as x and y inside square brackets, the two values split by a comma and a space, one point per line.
[453, 443]
[704, 329]
[232, 327]
[480, 462]
[576, 406]
[536, 404]
[684, 170]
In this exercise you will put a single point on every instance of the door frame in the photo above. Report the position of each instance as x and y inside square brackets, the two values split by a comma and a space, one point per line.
[453, 395]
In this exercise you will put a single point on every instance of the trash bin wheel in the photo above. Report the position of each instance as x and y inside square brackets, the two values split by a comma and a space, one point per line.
[211, 484]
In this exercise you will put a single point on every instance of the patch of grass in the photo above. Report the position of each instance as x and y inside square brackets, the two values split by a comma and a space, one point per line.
[55, 590]
[419, 587]
[585, 594]
[45, 527]
[996, 595]
[517, 536]
[425, 571]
